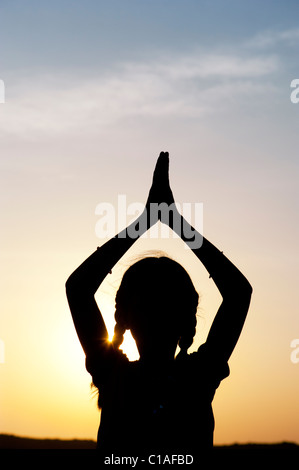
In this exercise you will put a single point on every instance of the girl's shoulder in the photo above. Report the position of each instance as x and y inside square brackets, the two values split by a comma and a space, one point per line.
[103, 360]
[206, 364]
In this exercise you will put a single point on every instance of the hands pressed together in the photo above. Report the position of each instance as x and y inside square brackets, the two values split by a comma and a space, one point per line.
[160, 191]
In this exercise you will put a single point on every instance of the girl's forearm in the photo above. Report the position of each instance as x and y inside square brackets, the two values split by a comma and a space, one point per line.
[224, 273]
[90, 274]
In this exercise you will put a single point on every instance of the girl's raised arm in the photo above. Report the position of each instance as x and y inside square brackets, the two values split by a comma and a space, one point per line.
[236, 294]
[83, 283]
[232, 284]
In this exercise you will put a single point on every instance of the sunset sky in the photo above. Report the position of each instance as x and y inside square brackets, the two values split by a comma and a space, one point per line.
[94, 90]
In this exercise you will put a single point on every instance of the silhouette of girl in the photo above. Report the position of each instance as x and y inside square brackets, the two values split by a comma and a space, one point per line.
[160, 404]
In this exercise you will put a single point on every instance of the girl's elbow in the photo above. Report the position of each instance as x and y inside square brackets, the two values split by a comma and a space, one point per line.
[243, 286]
[248, 289]
[69, 288]
[69, 283]
[245, 293]
[238, 288]
[76, 287]
[72, 285]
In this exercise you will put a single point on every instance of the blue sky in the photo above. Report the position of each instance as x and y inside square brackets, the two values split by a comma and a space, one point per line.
[73, 34]
[94, 91]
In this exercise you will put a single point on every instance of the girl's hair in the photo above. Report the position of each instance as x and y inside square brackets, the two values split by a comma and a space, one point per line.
[156, 291]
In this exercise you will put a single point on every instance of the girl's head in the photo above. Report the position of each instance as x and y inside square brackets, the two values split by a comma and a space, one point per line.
[157, 301]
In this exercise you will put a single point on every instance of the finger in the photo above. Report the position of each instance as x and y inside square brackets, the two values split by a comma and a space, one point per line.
[158, 164]
[162, 166]
[163, 155]
[163, 159]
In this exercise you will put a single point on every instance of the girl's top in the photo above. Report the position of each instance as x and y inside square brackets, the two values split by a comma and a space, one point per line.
[156, 410]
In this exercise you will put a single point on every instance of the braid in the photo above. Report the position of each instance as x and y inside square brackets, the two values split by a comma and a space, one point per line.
[186, 341]
[189, 325]
[120, 322]
[118, 337]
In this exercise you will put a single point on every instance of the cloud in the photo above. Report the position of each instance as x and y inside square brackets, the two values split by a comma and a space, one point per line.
[269, 38]
[179, 86]
[211, 66]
